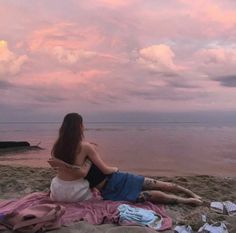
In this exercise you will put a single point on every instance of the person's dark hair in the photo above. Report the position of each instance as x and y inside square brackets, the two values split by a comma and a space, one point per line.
[70, 137]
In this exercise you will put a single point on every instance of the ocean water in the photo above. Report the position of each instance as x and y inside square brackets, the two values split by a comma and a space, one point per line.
[171, 148]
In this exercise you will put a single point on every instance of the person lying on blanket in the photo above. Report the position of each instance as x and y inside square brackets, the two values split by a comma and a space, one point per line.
[80, 167]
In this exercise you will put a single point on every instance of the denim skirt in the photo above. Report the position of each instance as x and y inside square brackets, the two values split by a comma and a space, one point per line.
[122, 187]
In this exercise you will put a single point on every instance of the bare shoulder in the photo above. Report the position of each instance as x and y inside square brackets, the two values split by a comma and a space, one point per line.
[87, 146]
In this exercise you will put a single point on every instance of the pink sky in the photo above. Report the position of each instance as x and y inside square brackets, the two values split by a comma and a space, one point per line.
[116, 55]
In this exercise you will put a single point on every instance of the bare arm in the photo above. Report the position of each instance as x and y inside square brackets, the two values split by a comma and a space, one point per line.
[81, 167]
[94, 156]
[78, 171]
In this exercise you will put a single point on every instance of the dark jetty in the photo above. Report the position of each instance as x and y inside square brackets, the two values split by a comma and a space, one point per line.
[11, 144]
[17, 146]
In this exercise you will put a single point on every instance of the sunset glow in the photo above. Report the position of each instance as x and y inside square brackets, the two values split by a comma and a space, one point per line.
[108, 56]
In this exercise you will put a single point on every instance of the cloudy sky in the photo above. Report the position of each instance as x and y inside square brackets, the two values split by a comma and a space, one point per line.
[96, 56]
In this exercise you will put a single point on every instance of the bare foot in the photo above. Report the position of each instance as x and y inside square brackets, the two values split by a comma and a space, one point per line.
[195, 201]
[197, 196]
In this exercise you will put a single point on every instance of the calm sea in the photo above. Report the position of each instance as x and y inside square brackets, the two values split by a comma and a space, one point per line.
[169, 148]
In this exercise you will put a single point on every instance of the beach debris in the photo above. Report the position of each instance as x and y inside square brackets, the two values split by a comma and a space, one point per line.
[230, 208]
[218, 227]
[204, 217]
[183, 229]
[227, 207]
[217, 206]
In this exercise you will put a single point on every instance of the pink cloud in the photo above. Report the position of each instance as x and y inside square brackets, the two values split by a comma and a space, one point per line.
[71, 56]
[70, 43]
[195, 20]
[10, 63]
[217, 56]
[159, 58]
[215, 16]
[75, 89]
[216, 61]
[212, 11]
[110, 4]
[65, 34]
[114, 3]
[113, 50]
[65, 78]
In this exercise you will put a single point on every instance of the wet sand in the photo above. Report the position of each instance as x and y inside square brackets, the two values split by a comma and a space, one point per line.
[18, 181]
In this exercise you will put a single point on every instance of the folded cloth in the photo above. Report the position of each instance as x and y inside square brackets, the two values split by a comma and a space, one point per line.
[183, 229]
[214, 228]
[230, 208]
[140, 216]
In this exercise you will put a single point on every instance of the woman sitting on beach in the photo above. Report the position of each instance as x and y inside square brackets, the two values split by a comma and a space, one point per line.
[72, 184]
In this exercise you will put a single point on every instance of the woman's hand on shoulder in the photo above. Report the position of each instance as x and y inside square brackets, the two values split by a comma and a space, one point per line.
[93, 143]
[114, 169]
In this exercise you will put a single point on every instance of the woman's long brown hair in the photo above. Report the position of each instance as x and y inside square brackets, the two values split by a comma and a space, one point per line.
[70, 136]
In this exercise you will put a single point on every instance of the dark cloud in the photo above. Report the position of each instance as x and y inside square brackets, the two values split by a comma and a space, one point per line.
[106, 98]
[181, 84]
[173, 79]
[28, 112]
[166, 74]
[49, 99]
[227, 80]
[5, 84]
[165, 93]
[35, 93]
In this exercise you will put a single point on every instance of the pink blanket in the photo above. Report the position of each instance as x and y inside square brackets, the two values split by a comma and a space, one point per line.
[94, 211]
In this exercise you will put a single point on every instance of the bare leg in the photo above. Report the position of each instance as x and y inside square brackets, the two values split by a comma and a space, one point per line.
[152, 184]
[161, 197]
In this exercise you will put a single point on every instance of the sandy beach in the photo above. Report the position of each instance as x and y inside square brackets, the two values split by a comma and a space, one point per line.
[18, 181]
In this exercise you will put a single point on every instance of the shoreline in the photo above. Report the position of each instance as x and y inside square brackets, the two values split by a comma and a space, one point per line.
[158, 172]
[18, 181]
